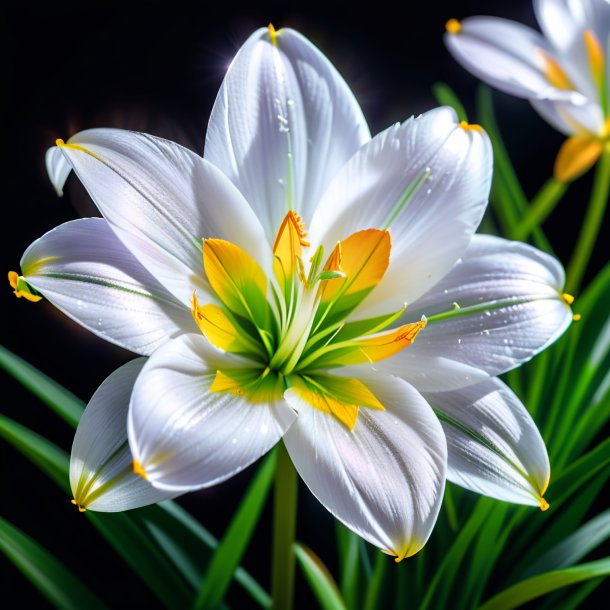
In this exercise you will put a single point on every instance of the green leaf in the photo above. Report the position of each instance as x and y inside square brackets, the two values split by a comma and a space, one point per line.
[52, 460]
[349, 561]
[372, 599]
[140, 552]
[235, 541]
[512, 202]
[319, 578]
[573, 548]
[45, 571]
[535, 587]
[189, 545]
[62, 401]
[445, 96]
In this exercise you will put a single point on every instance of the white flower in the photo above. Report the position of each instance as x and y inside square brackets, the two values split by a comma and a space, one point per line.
[563, 73]
[260, 332]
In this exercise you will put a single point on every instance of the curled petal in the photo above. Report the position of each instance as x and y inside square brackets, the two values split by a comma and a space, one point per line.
[494, 447]
[384, 479]
[508, 55]
[101, 470]
[499, 306]
[283, 124]
[161, 200]
[58, 169]
[186, 437]
[87, 272]
[427, 181]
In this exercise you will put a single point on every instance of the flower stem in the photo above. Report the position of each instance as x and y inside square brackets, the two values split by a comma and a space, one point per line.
[541, 206]
[284, 526]
[591, 224]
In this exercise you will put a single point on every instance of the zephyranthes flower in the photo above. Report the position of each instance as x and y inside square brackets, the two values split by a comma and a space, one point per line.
[563, 73]
[301, 282]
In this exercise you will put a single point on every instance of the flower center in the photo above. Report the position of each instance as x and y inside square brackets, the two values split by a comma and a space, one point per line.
[293, 327]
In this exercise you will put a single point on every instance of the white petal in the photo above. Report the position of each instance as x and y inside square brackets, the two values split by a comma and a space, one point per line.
[494, 447]
[283, 124]
[571, 118]
[161, 200]
[433, 228]
[564, 21]
[100, 452]
[84, 270]
[385, 478]
[504, 54]
[515, 293]
[186, 437]
[58, 169]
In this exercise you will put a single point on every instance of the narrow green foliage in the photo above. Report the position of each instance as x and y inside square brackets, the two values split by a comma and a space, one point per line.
[62, 401]
[52, 460]
[374, 591]
[540, 585]
[349, 560]
[445, 96]
[319, 579]
[234, 543]
[46, 572]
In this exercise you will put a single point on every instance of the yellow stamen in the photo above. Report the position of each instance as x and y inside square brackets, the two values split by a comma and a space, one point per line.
[568, 298]
[61, 144]
[596, 56]
[577, 155]
[139, 469]
[287, 249]
[20, 288]
[363, 257]
[272, 34]
[576, 317]
[466, 126]
[544, 505]
[80, 508]
[453, 26]
[553, 71]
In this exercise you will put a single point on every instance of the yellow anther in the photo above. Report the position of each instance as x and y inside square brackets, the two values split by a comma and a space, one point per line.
[568, 298]
[272, 34]
[554, 73]
[595, 54]
[544, 505]
[576, 317]
[59, 142]
[80, 508]
[20, 287]
[453, 26]
[139, 469]
[466, 126]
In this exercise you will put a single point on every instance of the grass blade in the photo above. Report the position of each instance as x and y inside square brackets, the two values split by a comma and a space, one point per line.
[52, 460]
[45, 572]
[319, 578]
[62, 401]
[445, 96]
[540, 585]
[235, 541]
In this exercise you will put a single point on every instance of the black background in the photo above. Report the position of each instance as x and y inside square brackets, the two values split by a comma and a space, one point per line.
[157, 68]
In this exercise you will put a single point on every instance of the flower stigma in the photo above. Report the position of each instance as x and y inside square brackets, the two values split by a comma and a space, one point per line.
[294, 339]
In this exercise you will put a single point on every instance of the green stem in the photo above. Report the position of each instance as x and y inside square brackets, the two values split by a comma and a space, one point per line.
[591, 224]
[284, 527]
[540, 207]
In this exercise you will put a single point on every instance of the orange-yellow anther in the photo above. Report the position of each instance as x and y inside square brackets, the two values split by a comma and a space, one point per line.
[595, 54]
[453, 26]
[553, 71]
[466, 126]
[20, 288]
[80, 508]
[544, 505]
[576, 317]
[568, 298]
[577, 155]
[272, 34]
[139, 469]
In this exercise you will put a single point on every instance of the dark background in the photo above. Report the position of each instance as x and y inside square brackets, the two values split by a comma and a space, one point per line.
[157, 68]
